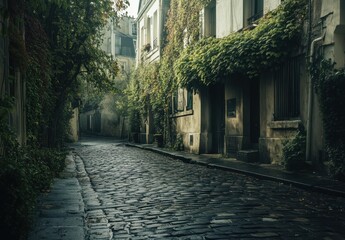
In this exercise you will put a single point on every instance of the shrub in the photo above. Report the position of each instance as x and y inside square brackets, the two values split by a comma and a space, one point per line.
[330, 86]
[23, 174]
[178, 145]
[294, 151]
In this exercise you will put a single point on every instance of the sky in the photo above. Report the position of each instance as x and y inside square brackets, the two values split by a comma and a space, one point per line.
[133, 8]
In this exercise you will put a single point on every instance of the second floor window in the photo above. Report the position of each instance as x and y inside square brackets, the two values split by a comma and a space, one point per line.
[149, 30]
[256, 11]
[208, 18]
[155, 31]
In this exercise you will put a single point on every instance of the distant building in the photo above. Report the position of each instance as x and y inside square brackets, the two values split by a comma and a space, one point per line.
[150, 22]
[119, 41]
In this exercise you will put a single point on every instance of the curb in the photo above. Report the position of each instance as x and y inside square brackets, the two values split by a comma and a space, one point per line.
[299, 184]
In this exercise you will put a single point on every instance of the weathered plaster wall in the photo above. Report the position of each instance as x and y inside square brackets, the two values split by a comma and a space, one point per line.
[274, 133]
[234, 126]
[331, 21]
[188, 124]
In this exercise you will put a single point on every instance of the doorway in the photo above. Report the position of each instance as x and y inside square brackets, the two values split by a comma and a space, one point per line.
[254, 112]
[217, 101]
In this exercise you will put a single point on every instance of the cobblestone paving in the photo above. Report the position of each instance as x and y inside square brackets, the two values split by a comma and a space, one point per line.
[137, 194]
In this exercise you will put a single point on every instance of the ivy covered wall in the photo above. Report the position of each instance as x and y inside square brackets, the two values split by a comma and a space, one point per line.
[248, 52]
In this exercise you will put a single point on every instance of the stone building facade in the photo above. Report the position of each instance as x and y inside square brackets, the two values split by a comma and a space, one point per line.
[251, 118]
[150, 23]
[119, 41]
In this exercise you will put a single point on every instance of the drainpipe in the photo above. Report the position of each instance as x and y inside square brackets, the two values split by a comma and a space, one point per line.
[160, 26]
[310, 100]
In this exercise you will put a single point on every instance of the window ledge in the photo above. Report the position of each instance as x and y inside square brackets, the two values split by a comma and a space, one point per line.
[182, 114]
[287, 124]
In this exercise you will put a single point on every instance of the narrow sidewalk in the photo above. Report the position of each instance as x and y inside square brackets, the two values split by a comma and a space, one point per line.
[311, 182]
[60, 213]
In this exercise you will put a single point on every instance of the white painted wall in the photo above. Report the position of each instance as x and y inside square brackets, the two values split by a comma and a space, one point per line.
[150, 30]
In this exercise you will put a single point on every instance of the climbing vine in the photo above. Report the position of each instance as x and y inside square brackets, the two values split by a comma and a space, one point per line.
[248, 52]
[204, 61]
[329, 85]
[144, 91]
[294, 150]
[40, 95]
[153, 84]
[182, 28]
[60, 45]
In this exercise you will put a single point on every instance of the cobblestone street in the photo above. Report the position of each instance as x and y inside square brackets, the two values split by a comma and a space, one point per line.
[137, 194]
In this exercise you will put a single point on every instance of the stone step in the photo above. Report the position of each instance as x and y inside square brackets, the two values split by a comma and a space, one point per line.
[249, 155]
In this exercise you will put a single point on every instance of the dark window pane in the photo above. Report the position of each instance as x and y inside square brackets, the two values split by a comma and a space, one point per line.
[287, 90]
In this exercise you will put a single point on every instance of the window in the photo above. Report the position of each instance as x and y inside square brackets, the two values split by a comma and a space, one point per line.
[175, 103]
[256, 10]
[155, 31]
[142, 38]
[109, 45]
[189, 105]
[149, 30]
[231, 108]
[134, 29]
[117, 45]
[135, 44]
[124, 46]
[182, 100]
[287, 90]
[209, 20]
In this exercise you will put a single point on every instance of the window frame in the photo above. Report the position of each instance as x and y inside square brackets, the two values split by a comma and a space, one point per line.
[254, 11]
[287, 89]
[182, 106]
